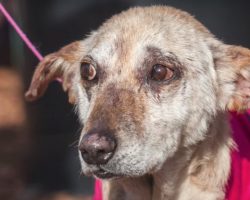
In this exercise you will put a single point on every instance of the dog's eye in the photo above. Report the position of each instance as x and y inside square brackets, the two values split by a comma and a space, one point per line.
[160, 73]
[88, 71]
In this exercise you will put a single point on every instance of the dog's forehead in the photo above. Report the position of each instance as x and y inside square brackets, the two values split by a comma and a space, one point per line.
[126, 39]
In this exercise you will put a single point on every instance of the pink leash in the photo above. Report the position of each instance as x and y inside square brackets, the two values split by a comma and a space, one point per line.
[233, 191]
[98, 194]
[20, 33]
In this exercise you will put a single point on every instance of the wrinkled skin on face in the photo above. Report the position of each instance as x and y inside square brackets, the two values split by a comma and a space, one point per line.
[159, 79]
[149, 118]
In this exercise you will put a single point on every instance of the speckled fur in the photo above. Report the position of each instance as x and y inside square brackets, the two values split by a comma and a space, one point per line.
[173, 139]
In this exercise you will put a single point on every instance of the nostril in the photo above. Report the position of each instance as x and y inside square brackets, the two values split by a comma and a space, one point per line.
[101, 152]
[103, 155]
[83, 152]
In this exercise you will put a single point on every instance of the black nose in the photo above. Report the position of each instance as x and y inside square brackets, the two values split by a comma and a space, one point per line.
[97, 148]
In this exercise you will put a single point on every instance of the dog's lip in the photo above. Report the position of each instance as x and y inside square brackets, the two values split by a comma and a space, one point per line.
[103, 174]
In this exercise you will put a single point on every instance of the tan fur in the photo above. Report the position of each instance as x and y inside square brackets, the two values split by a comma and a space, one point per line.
[56, 66]
[173, 138]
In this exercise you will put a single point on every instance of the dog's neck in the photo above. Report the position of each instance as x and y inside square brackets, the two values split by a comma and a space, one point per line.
[139, 188]
[200, 171]
[197, 172]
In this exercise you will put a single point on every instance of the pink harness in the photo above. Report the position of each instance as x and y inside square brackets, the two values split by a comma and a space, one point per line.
[238, 187]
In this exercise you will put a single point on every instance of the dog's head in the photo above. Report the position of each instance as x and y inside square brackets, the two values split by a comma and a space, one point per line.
[146, 83]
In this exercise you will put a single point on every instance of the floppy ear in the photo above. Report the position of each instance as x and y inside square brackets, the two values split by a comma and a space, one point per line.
[233, 72]
[61, 65]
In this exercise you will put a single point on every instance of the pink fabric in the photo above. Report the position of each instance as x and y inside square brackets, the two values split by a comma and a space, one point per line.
[238, 187]
[239, 183]
[98, 190]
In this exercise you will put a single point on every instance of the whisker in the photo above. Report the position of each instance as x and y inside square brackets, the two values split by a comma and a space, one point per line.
[74, 144]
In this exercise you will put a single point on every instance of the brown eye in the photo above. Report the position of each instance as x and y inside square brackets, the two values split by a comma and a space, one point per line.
[161, 73]
[88, 71]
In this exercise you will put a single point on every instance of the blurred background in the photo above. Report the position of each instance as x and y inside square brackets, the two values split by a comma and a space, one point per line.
[38, 141]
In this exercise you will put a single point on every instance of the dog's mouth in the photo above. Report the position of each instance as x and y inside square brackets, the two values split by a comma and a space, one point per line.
[103, 174]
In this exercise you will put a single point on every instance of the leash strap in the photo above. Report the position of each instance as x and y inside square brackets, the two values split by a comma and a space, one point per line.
[20, 33]
[98, 194]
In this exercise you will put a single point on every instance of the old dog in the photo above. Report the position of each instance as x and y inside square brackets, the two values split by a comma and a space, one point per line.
[152, 87]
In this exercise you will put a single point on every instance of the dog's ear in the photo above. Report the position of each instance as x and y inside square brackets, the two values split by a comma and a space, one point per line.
[60, 65]
[233, 72]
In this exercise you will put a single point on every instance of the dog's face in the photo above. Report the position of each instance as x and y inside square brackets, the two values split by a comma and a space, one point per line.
[146, 84]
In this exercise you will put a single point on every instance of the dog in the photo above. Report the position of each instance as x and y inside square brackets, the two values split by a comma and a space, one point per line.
[152, 87]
